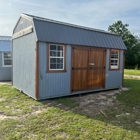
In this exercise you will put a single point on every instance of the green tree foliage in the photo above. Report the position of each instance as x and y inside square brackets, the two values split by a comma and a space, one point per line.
[132, 42]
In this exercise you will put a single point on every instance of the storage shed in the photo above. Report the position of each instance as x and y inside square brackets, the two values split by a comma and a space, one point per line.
[5, 58]
[53, 59]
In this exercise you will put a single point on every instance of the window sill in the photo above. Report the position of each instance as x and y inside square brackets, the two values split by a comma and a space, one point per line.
[7, 66]
[55, 71]
[114, 69]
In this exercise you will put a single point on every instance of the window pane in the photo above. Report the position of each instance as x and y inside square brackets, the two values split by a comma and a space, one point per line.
[53, 53]
[53, 66]
[114, 53]
[56, 57]
[52, 47]
[60, 60]
[114, 56]
[56, 53]
[53, 60]
[7, 55]
[58, 48]
[114, 59]
[59, 66]
[7, 62]
[60, 53]
[114, 62]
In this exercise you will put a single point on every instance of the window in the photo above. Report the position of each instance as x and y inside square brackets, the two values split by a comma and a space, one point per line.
[56, 58]
[114, 59]
[6, 58]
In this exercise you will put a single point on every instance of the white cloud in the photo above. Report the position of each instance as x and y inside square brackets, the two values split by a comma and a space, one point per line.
[91, 13]
[96, 14]
[6, 28]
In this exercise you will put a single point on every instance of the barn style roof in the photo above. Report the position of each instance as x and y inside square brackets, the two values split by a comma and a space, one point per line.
[59, 32]
[5, 38]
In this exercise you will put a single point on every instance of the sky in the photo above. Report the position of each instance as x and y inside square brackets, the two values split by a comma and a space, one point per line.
[97, 14]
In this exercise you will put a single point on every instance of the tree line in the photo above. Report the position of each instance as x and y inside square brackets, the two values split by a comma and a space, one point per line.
[131, 41]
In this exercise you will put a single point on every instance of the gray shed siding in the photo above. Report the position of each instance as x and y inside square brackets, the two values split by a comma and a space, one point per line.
[58, 84]
[5, 46]
[5, 72]
[53, 84]
[24, 63]
[113, 77]
[22, 24]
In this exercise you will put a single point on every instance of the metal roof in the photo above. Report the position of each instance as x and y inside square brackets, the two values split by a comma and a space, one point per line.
[29, 17]
[5, 38]
[59, 32]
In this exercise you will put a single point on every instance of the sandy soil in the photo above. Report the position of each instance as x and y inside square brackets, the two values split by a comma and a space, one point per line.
[95, 103]
[132, 76]
[90, 103]
[6, 82]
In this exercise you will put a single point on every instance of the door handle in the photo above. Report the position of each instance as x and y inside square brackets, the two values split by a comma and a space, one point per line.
[92, 64]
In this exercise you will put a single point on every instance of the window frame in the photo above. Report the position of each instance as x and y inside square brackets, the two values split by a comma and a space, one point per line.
[3, 65]
[118, 66]
[48, 59]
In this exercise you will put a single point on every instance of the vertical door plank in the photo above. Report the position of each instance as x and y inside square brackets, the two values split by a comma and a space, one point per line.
[79, 68]
[96, 77]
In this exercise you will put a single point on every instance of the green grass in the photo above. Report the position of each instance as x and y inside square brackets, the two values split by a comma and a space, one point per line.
[12, 102]
[132, 72]
[29, 119]
[67, 102]
[129, 104]
[58, 124]
[132, 96]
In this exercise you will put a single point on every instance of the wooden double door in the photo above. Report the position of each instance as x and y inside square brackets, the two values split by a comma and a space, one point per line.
[88, 68]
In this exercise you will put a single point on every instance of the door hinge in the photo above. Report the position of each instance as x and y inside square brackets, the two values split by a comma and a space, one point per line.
[105, 50]
[104, 67]
[73, 68]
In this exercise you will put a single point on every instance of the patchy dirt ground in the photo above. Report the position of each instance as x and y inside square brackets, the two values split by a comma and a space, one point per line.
[90, 103]
[93, 103]
[97, 102]
[132, 76]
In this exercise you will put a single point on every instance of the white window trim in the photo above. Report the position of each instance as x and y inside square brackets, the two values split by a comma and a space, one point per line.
[3, 60]
[56, 57]
[118, 59]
